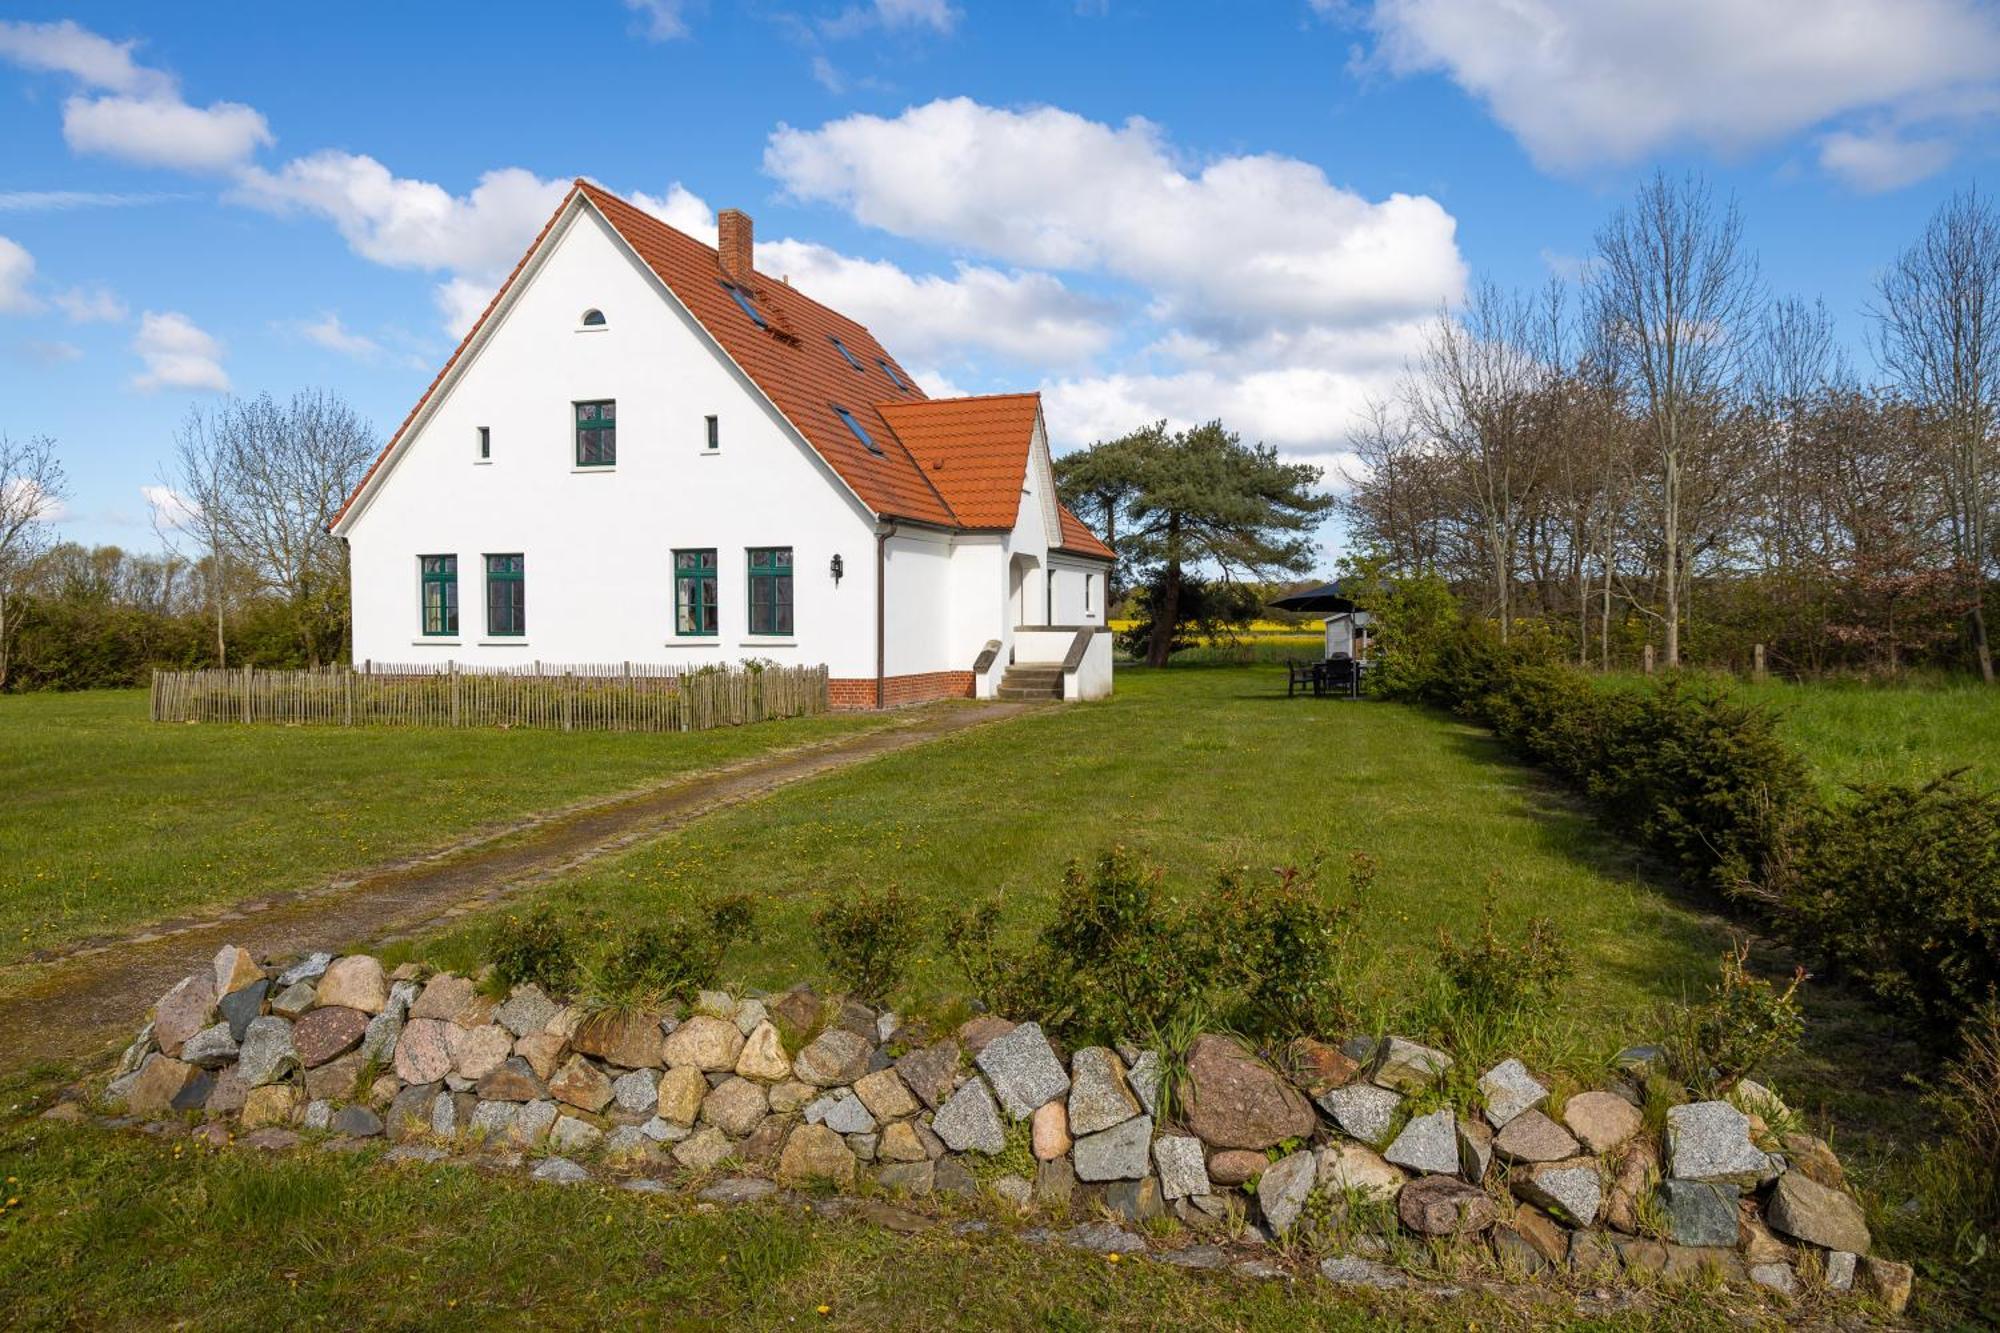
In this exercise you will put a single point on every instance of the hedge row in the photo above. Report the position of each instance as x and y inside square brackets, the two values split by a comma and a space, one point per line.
[1898, 885]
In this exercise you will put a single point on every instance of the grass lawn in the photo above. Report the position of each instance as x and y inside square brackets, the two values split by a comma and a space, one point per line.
[1196, 768]
[122, 1232]
[1855, 731]
[108, 821]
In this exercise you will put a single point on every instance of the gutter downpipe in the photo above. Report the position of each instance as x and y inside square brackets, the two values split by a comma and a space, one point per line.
[882, 534]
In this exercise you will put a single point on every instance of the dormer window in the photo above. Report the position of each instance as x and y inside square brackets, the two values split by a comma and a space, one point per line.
[894, 378]
[847, 419]
[746, 305]
[858, 367]
[593, 319]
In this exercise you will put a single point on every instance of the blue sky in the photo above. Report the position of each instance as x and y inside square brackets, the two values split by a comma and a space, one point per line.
[1144, 209]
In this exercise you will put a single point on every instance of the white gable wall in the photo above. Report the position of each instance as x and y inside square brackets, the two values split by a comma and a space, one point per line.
[599, 542]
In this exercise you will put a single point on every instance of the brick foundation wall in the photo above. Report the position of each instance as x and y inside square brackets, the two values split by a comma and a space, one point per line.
[849, 694]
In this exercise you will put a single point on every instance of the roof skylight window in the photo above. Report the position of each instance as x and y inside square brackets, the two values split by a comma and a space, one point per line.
[748, 306]
[844, 352]
[890, 371]
[847, 418]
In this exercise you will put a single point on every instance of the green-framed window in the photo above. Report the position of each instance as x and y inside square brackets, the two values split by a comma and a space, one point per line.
[506, 596]
[597, 433]
[439, 574]
[694, 592]
[771, 590]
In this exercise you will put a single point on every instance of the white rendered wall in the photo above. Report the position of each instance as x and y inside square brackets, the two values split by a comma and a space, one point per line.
[916, 620]
[1073, 606]
[599, 542]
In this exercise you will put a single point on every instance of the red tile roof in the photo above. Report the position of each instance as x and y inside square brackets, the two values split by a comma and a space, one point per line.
[957, 463]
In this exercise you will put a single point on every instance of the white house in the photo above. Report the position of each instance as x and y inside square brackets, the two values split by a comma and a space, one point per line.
[647, 451]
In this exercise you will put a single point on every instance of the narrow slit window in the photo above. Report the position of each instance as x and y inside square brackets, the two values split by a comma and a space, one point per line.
[485, 444]
[694, 592]
[714, 434]
[1088, 579]
[744, 303]
[506, 596]
[597, 434]
[440, 593]
[771, 590]
[858, 367]
[894, 378]
[847, 418]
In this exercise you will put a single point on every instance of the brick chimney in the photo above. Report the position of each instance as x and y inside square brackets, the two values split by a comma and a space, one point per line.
[735, 251]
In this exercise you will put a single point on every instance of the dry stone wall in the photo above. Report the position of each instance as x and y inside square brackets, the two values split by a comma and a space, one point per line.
[793, 1090]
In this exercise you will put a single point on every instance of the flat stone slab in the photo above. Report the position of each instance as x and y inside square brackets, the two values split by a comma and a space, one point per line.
[1183, 1172]
[1509, 1089]
[1571, 1189]
[1408, 1066]
[1811, 1212]
[970, 1120]
[560, 1171]
[1099, 1096]
[1533, 1137]
[1428, 1145]
[739, 1190]
[1118, 1153]
[1103, 1238]
[1283, 1188]
[1023, 1069]
[1711, 1141]
[1362, 1111]
[1351, 1271]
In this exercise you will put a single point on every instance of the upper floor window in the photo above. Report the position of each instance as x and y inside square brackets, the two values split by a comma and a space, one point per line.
[506, 596]
[890, 371]
[860, 434]
[771, 590]
[1088, 580]
[440, 593]
[485, 444]
[694, 592]
[714, 433]
[593, 319]
[597, 434]
[845, 353]
[744, 303]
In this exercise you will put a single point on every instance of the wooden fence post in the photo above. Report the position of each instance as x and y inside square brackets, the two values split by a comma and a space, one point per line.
[453, 665]
[1647, 658]
[247, 687]
[1757, 662]
[347, 690]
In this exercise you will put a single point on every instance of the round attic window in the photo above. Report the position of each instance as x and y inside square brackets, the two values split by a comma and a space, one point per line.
[593, 319]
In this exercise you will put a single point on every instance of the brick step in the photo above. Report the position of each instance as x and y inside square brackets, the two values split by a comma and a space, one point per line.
[1026, 692]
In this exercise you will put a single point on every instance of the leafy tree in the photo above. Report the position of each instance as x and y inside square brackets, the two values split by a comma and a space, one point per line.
[1200, 498]
[1098, 484]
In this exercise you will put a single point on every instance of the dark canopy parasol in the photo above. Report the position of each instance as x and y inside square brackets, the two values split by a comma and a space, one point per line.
[1326, 599]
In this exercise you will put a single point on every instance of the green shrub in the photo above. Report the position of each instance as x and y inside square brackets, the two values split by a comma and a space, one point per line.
[1293, 946]
[867, 940]
[671, 958]
[1901, 887]
[1491, 975]
[534, 950]
[1745, 1023]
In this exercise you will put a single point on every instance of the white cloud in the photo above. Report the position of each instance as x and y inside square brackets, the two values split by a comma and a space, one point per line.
[172, 511]
[406, 223]
[327, 331]
[1583, 82]
[934, 15]
[92, 305]
[681, 209]
[165, 131]
[17, 269]
[177, 354]
[53, 201]
[26, 495]
[67, 48]
[1881, 159]
[1242, 241]
[660, 20]
[1029, 317]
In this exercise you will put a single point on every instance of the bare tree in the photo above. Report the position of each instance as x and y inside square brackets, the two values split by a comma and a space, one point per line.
[1938, 320]
[196, 505]
[32, 486]
[258, 482]
[1672, 288]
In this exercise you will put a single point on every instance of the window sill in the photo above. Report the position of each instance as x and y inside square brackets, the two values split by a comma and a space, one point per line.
[601, 467]
[503, 643]
[482, 462]
[436, 641]
[695, 641]
[593, 328]
[768, 643]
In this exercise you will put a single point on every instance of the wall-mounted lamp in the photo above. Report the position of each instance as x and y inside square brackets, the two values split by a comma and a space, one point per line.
[836, 567]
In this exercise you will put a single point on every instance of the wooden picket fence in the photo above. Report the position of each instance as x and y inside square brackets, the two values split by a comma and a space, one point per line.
[630, 696]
